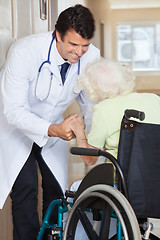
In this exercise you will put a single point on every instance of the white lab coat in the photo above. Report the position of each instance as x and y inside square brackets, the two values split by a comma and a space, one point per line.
[24, 119]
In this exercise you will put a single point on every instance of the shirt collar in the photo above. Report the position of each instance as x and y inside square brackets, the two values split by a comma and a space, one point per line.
[58, 57]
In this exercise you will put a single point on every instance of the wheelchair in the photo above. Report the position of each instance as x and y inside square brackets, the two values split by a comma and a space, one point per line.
[99, 211]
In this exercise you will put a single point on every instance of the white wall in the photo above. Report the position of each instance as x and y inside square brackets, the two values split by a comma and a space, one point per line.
[5, 29]
[102, 14]
[67, 3]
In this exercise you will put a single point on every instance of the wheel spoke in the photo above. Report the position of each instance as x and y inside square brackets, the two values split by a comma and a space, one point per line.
[105, 223]
[88, 227]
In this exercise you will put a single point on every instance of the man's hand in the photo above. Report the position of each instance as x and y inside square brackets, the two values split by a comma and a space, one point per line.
[63, 129]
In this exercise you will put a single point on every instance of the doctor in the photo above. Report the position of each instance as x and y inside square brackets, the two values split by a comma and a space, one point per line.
[34, 97]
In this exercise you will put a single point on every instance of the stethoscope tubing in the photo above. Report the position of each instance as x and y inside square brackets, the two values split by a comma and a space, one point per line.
[48, 59]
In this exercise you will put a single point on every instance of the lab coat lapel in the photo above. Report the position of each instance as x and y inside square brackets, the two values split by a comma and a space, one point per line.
[55, 70]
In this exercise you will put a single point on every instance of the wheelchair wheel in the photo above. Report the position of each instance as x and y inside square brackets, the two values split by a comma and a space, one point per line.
[103, 200]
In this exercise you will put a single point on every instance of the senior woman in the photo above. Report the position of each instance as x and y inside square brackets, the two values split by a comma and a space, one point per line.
[111, 86]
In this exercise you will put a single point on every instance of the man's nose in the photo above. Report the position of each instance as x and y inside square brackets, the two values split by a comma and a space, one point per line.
[79, 51]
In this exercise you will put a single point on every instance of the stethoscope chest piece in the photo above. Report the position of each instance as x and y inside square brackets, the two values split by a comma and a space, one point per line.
[77, 89]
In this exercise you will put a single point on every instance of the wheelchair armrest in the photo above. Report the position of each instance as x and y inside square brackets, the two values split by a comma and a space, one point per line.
[70, 194]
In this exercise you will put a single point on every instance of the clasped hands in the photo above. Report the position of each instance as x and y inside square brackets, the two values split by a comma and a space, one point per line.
[68, 129]
[73, 127]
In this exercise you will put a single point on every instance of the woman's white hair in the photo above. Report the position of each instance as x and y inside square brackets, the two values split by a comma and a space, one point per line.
[105, 78]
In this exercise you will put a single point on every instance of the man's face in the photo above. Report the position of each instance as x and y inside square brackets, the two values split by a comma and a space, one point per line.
[72, 47]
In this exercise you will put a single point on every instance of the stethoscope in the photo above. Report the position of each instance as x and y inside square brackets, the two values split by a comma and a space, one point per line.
[39, 71]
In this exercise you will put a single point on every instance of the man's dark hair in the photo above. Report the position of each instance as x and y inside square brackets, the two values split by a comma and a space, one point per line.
[78, 18]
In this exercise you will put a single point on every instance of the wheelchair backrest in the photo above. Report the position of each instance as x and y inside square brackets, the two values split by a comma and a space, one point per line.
[139, 157]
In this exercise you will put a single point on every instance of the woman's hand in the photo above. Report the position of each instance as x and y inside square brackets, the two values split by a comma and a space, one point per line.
[77, 125]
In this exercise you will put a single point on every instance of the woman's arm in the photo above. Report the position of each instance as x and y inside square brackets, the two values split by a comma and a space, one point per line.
[78, 127]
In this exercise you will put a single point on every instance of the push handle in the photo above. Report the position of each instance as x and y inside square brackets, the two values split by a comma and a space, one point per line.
[85, 151]
[134, 113]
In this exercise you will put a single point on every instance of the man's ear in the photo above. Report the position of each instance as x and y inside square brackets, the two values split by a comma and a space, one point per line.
[58, 36]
